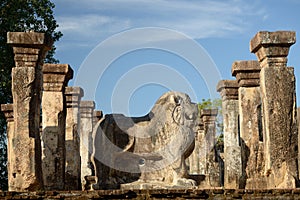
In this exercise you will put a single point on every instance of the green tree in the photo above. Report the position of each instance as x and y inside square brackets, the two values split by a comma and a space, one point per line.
[19, 16]
[215, 104]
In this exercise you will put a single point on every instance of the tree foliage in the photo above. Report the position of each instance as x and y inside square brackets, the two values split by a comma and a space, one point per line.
[215, 104]
[20, 16]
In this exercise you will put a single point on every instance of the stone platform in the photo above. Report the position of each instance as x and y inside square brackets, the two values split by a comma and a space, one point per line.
[158, 194]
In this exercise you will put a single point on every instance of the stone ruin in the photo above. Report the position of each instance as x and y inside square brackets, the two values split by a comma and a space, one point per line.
[259, 109]
[56, 141]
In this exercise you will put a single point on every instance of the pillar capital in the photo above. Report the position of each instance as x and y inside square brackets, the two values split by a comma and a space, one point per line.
[73, 96]
[29, 47]
[246, 73]
[228, 89]
[56, 76]
[86, 109]
[8, 110]
[208, 115]
[97, 115]
[272, 48]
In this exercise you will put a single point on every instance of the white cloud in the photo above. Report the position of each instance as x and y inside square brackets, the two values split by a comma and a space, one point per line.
[98, 19]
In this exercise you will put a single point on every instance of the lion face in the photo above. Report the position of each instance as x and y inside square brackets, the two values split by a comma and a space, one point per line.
[176, 107]
[175, 120]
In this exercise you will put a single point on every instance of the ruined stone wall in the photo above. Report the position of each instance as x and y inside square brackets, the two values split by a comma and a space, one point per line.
[260, 130]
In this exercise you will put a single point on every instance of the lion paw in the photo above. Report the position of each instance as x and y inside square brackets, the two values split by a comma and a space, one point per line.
[186, 182]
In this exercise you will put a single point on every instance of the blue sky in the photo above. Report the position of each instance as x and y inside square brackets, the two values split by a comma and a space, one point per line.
[164, 57]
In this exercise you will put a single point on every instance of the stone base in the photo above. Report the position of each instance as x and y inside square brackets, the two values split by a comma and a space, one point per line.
[158, 194]
[256, 183]
[150, 186]
[201, 182]
[143, 185]
[138, 185]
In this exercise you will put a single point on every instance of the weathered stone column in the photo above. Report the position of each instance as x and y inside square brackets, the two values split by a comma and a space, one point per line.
[86, 129]
[232, 149]
[7, 109]
[56, 77]
[298, 119]
[197, 157]
[72, 171]
[251, 133]
[201, 148]
[97, 116]
[298, 123]
[212, 167]
[277, 84]
[209, 124]
[29, 49]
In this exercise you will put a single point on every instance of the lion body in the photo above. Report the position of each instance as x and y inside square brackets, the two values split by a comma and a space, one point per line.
[152, 148]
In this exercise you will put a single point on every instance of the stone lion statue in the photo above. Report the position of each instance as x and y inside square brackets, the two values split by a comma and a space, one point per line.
[150, 150]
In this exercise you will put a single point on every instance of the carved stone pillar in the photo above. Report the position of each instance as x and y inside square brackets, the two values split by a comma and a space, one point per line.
[56, 77]
[29, 49]
[298, 123]
[197, 155]
[277, 82]
[200, 137]
[250, 115]
[209, 124]
[97, 116]
[298, 119]
[86, 129]
[232, 149]
[212, 166]
[7, 109]
[72, 175]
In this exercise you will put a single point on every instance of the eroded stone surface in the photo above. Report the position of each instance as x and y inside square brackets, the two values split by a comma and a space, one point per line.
[246, 72]
[97, 116]
[55, 78]
[298, 122]
[277, 84]
[211, 156]
[72, 170]
[251, 135]
[8, 111]
[281, 138]
[298, 118]
[150, 150]
[29, 49]
[196, 161]
[86, 129]
[272, 48]
[228, 89]
[232, 148]
[250, 120]
[160, 194]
